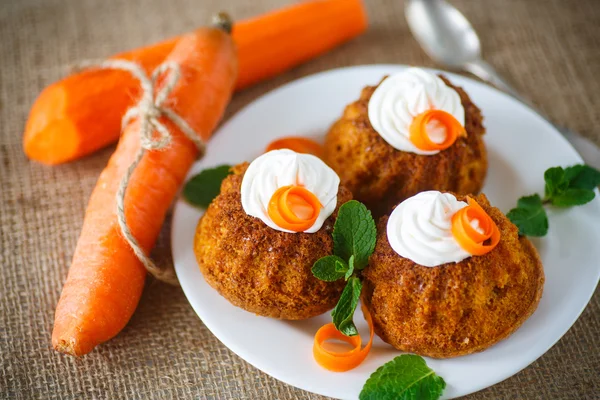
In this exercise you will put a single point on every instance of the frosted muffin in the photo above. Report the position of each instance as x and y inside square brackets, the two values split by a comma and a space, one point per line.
[253, 261]
[430, 296]
[379, 145]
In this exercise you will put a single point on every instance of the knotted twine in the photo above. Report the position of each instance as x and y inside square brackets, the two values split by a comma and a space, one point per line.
[154, 136]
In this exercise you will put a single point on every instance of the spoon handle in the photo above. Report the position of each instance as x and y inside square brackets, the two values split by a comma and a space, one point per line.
[487, 73]
[586, 148]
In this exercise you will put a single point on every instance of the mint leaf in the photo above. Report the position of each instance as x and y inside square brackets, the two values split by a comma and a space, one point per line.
[354, 233]
[530, 216]
[573, 197]
[532, 202]
[406, 377]
[329, 268]
[201, 189]
[582, 177]
[343, 312]
[555, 181]
[350, 268]
[572, 172]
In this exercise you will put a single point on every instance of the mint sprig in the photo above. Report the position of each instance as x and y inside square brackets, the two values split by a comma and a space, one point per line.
[405, 377]
[354, 236]
[564, 187]
[202, 188]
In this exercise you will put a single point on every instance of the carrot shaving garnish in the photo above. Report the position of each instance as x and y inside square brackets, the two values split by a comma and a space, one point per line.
[342, 361]
[297, 144]
[471, 238]
[294, 208]
[435, 130]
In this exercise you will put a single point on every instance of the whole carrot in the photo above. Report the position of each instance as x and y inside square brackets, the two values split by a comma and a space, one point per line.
[82, 113]
[106, 279]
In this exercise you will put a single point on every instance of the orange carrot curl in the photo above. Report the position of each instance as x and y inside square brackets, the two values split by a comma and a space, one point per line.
[82, 113]
[106, 278]
[426, 124]
[294, 208]
[471, 238]
[297, 144]
[344, 361]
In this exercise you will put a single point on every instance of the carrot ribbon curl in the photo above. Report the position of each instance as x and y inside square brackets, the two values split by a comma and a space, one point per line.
[422, 126]
[342, 361]
[468, 237]
[294, 208]
[297, 144]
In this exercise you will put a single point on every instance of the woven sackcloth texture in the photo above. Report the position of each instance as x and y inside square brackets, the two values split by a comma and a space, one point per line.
[550, 49]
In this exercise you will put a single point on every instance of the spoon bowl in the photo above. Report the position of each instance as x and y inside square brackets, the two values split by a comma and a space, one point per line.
[443, 32]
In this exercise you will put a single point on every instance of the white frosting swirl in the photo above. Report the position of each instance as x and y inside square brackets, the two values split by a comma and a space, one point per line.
[405, 95]
[279, 168]
[420, 229]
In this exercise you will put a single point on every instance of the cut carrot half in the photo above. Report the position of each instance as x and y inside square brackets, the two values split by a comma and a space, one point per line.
[342, 361]
[468, 237]
[294, 208]
[435, 124]
[297, 144]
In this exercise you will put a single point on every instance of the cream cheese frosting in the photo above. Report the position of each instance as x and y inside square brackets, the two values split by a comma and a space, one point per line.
[280, 168]
[402, 97]
[420, 229]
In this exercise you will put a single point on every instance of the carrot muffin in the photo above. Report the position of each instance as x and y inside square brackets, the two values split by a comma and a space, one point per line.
[413, 132]
[261, 235]
[433, 289]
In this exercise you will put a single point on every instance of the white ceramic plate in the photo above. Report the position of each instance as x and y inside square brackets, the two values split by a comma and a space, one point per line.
[521, 147]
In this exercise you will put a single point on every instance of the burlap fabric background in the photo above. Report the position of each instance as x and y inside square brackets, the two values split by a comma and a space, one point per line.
[549, 49]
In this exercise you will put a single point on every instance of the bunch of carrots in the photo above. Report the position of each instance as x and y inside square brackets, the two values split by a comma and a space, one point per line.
[63, 124]
[82, 113]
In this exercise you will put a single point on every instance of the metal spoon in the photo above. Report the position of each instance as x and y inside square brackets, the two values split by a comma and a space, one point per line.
[450, 40]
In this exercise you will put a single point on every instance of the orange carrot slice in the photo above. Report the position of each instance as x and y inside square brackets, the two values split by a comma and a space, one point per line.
[469, 238]
[342, 361]
[297, 144]
[294, 208]
[425, 125]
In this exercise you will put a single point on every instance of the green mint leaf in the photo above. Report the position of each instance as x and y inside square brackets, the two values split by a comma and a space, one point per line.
[573, 197]
[343, 312]
[354, 233]
[582, 177]
[204, 187]
[406, 377]
[350, 268]
[329, 268]
[555, 181]
[572, 172]
[530, 216]
[531, 202]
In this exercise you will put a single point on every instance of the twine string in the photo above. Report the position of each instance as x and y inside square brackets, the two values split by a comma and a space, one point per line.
[154, 136]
